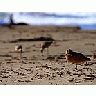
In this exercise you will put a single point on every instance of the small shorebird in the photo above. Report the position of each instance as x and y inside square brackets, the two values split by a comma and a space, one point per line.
[75, 57]
[44, 45]
[18, 48]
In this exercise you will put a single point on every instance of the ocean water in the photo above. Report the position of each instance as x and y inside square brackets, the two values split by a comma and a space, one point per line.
[86, 20]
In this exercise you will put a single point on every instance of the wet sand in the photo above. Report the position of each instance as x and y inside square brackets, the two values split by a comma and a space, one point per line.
[53, 69]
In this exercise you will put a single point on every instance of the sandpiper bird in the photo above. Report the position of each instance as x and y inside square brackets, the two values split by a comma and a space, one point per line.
[75, 57]
[44, 45]
[18, 48]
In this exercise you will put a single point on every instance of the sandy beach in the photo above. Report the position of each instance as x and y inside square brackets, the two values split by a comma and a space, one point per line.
[34, 69]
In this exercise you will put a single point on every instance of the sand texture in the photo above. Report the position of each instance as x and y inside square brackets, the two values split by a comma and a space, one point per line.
[52, 69]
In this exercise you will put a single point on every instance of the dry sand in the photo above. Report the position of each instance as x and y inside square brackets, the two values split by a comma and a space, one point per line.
[53, 69]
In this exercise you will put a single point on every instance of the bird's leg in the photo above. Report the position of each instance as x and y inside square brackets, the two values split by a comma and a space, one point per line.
[20, 55]
[42, 53]
[67, 63]
[17, 58]
[76, 67]
[17, 55]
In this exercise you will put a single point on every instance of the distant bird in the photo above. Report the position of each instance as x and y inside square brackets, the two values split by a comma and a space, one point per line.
[44, 45]
[18, 48]
[11, 22]
[11, 19]
[75, 57]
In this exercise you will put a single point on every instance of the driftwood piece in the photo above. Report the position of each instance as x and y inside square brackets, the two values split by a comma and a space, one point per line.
[34, 39]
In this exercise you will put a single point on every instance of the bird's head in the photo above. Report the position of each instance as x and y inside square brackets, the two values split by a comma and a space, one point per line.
[16, 47]
[69, 51]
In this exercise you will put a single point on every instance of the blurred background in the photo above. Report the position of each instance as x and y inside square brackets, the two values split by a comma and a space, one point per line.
[85, 20]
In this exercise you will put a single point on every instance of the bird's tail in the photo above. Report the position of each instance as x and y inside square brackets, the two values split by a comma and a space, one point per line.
[88, 59]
